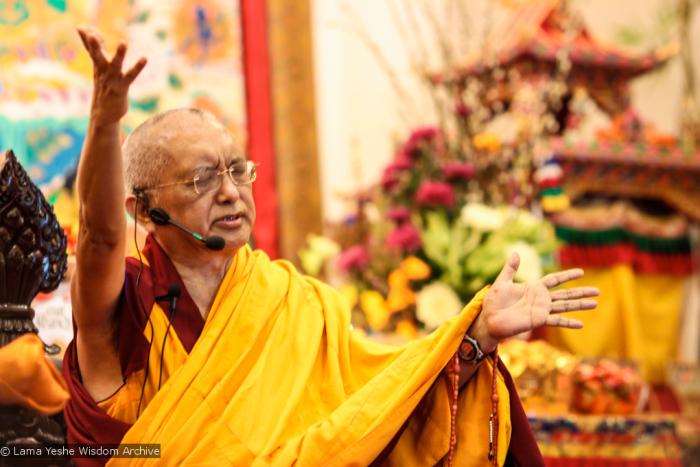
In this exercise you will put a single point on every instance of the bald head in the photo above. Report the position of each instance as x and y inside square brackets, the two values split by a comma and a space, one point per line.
[145, 150]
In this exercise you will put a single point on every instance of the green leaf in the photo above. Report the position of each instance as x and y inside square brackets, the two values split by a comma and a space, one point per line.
[436, 237]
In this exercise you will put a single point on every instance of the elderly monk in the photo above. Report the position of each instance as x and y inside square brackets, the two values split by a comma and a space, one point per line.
[224, 357]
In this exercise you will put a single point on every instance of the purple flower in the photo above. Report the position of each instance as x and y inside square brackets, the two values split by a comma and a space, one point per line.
[435, 194]
[398, 214]
[353, 259]
[462, 171]
[405, 238]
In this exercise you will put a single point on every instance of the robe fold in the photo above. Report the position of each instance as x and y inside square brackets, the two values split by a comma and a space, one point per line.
[278, 377]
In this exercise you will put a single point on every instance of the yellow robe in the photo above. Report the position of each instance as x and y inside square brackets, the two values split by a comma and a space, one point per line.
[277, 377]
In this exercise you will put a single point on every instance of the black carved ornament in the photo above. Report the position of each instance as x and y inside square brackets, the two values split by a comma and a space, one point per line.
[32, 249]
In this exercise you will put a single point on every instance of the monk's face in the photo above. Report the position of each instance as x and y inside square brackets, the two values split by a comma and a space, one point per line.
[194, 145]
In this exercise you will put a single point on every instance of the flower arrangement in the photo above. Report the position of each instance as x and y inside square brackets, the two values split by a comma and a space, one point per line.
[428, 237]
[455, 200]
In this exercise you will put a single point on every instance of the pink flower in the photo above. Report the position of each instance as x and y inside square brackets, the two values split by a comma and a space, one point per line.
[405, 238]
[424, 133]
[402, 163]
[354, 258]
[462, 171]
[390, 178]
[391, 175]
[416, 142]
[435, 194]
[462, 110]
[398, 214]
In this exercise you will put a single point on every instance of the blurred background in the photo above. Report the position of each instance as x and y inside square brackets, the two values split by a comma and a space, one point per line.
[406, 147]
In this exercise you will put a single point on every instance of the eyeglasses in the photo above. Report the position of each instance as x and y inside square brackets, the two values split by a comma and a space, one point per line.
[240, 173]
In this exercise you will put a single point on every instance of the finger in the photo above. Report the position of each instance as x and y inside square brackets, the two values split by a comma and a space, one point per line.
[119, 55]
[95, 33]
[560, 322]
[81, 33]
[95, 50]
[573, 305]
[134, 71]
[575, 293]
[509, 269]
[557, 278]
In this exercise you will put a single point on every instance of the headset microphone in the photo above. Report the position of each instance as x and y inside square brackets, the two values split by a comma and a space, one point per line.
[160, 217]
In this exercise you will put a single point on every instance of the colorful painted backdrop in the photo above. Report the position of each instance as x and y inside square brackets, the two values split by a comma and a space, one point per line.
[195, 59]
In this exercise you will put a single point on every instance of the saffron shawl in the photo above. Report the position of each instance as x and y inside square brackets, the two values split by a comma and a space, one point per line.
[277, 377]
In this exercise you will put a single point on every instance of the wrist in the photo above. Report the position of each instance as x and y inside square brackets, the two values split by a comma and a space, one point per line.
[479, 332]
[102, 123]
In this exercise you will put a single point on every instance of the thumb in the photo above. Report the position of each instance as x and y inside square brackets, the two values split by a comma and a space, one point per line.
[509, 269]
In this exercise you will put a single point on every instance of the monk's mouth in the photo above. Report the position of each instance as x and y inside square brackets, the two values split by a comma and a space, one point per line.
[232, 221]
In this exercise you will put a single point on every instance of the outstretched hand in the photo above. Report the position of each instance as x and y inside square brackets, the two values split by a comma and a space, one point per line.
[110, 100]
[510, 308]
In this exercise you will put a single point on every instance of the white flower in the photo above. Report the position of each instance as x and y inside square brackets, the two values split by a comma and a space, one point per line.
[530, 263]
[435, 303]
[320, 250]
[324, 246]
[482, 217]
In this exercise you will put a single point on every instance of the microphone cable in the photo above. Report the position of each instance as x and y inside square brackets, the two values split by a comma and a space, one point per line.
[174, 294]
[139, 194]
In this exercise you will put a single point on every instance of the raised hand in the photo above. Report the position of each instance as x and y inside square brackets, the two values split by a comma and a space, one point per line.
[510, 309]
[110, 100]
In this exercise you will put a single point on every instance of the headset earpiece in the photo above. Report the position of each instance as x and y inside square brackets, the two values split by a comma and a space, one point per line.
[143, 204]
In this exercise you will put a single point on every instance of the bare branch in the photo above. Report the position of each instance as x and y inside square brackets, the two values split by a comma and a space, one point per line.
[358, 29]
[439, 33]
[411, 40]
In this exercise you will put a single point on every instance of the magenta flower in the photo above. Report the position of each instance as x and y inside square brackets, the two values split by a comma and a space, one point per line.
[435, 194]
[399, 214]
[402, 163]
[462, 110]
[462, 171]
[419, 138]
[405, 238]
[392, 172]
[390, 178]
[354, 258]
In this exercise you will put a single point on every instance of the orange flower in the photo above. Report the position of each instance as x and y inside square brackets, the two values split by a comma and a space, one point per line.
[397, 279]
[375, 308]
[406, 329]
[414, 268]
[487, 142]
[400, 298]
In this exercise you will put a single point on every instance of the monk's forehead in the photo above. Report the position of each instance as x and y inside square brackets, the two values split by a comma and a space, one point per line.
[192, 143]
[187, 118]
[188, 129]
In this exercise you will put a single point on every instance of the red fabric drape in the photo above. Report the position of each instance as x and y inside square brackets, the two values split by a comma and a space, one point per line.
[605, 256]
[256, 65]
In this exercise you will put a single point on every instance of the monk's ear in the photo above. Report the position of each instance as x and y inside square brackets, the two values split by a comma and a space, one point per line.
[132, 204]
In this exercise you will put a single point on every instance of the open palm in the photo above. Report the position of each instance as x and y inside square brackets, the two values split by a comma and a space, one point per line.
[511, 308]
